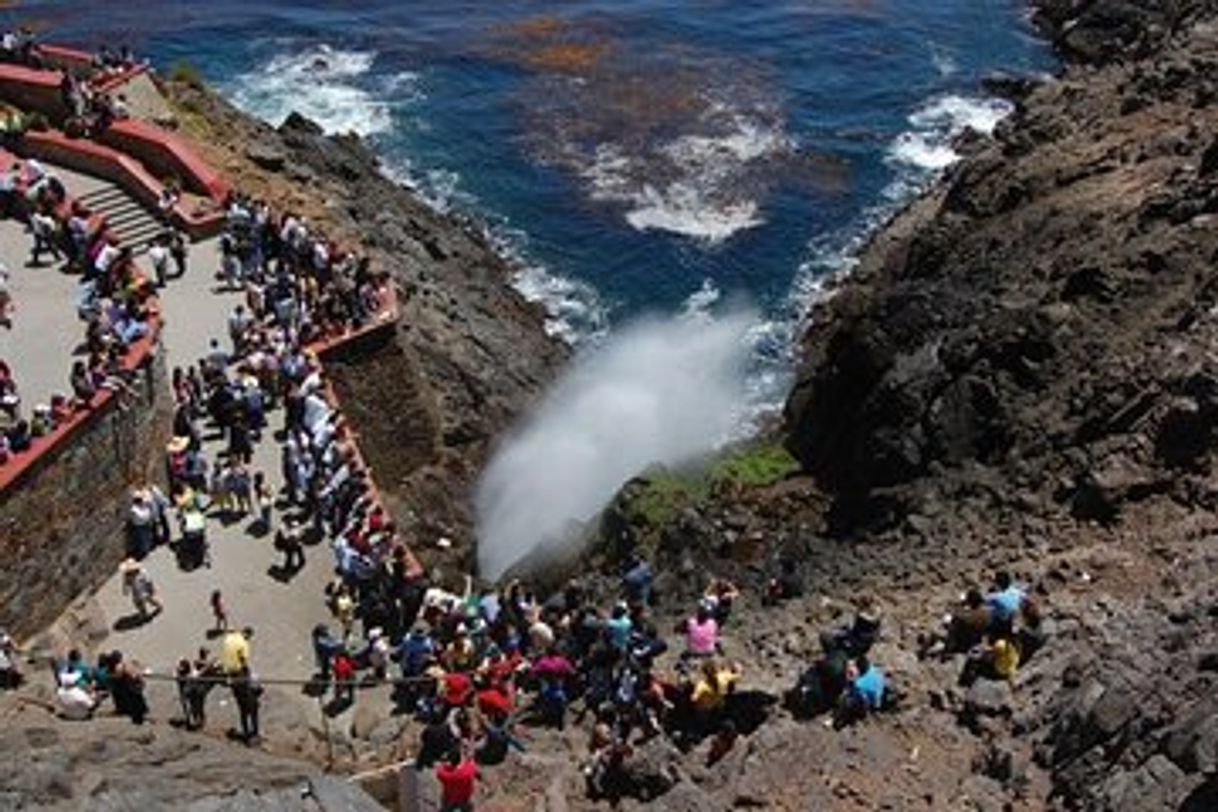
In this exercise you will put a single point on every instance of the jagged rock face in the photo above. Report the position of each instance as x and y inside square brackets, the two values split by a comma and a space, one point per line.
[1135, 725]
[1046, 315]
[1102, 30]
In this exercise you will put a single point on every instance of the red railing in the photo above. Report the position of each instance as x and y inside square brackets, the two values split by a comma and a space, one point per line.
[166, 155]
[163, 153]
[92, 158]
[20, 464]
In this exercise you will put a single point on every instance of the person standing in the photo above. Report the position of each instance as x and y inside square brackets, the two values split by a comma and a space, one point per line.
[289, 540]
[458, 776]
[219, 612]
[141, 523]
[178, 250]
[138, 584]
[158, 254]
[235, 651]
[247, 693]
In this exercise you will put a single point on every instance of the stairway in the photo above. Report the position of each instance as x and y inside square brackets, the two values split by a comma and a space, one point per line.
[134, 225]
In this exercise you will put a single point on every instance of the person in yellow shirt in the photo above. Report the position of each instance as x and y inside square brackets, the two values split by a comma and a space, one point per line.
[235, 651]
[1004, 655]
[714, 685]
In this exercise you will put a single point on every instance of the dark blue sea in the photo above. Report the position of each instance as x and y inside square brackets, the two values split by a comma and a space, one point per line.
[636, 156]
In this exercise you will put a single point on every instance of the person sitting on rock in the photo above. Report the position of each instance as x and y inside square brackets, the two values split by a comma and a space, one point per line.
[714, 686]
[998, 658]
[786, 586]
[819, 687]
[963, 628]
[1005, 603]
[857, 638]
[701, 633]
[866, 692]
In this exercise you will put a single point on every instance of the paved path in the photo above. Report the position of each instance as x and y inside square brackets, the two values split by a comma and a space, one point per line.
[46, 332]
[282, 612]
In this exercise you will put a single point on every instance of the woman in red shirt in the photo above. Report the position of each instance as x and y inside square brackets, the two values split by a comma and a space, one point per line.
[457, 777]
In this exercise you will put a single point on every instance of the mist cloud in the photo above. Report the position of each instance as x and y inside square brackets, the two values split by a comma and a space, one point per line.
[658, 391]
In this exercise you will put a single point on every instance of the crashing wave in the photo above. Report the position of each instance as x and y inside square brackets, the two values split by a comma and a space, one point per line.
[332, 86]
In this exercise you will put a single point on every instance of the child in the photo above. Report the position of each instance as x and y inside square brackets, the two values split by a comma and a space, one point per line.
[344, 677]
[219, 612]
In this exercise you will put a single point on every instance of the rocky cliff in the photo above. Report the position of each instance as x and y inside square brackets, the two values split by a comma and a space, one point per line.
[1041, 329]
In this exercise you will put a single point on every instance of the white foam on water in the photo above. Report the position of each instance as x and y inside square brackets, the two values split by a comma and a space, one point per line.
[957, 113]
[943, 61]
[922, 150]
[574, 311]
[927, 147]
[332, 86]
[917, 156]
[701, 190]
[700, 302]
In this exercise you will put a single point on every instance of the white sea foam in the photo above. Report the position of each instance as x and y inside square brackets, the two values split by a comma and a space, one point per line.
[700, 302]
[574, 312]
[331, 86]
[916, 156]
[922, 150]
[957, 113]
[943, 61]
[695, 185]
[936, 125]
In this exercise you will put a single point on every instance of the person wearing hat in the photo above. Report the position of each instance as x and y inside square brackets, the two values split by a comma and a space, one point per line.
[377, 652]
[141, 523]
[138, 584]
[42, 423]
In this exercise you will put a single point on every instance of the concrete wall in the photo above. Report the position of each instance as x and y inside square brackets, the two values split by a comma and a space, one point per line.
[62, 528]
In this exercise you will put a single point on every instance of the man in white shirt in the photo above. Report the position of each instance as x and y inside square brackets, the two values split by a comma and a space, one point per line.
[158, 255]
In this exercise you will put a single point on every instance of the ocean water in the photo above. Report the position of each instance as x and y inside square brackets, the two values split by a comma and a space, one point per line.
[638, 157]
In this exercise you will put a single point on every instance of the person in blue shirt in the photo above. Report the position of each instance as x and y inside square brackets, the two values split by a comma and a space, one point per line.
[1004, 603]
[618, 628]
[865, 692]
[415, 652]
[637, 580]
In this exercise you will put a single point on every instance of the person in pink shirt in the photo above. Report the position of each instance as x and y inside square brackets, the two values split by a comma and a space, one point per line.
[701, 633]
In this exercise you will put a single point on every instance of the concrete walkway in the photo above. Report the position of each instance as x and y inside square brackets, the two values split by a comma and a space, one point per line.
[46, 332]
[282, 612]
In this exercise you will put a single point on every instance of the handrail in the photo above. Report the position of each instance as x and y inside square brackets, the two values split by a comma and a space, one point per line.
[97, 159]
[166, 153]
[161, 150]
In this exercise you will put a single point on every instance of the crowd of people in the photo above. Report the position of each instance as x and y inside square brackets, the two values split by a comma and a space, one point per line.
[116, 300]
[473, 666]
[87, 110]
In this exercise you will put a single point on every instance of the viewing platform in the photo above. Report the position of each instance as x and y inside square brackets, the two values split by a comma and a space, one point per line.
[120, 179]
